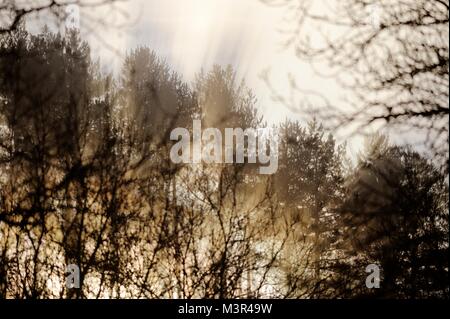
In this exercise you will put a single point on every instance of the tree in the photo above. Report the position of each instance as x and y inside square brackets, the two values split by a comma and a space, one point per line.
[391, 56]
[61, 150]
[221, 257]
[396, 215]
[309, 185]
[13, 13]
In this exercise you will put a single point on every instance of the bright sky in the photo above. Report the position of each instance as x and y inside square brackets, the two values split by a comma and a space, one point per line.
[195, 34]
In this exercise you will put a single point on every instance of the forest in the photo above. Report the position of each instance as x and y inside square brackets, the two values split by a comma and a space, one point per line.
[86, 179]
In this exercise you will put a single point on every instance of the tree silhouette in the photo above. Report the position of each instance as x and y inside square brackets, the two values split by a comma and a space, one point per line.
[391, 56]
[310, 185]
[396, 214]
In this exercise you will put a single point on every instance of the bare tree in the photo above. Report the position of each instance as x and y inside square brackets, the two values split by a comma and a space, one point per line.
[13, 12]
[391, 56]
